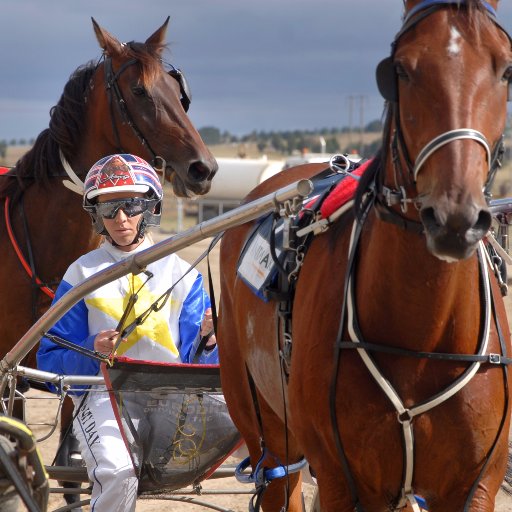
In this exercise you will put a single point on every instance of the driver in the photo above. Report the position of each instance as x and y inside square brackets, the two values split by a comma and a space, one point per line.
[123, 195]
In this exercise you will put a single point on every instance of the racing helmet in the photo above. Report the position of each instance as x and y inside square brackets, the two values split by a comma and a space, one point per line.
[123, 173]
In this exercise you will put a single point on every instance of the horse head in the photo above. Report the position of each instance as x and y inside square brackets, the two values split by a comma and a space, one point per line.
[147, 100]
[447, 92]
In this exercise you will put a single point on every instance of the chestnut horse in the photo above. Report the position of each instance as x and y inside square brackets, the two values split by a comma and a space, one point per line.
[131, 102]
[389, 392]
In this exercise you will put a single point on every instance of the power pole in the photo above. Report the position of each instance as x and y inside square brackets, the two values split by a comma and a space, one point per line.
[362, 101]
[352, 101]
[350, 119]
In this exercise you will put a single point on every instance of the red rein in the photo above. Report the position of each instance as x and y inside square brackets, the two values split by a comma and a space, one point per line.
[17, 249]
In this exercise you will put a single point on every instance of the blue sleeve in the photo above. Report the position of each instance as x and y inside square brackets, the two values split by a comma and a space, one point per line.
[192, 313]
[74, 327]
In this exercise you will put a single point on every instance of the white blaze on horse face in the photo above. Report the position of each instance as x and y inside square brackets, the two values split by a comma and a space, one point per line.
[454, 42]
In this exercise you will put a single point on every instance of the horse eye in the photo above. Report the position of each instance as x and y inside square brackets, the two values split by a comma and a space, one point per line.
[139, 90]
[401, 72]
[507, 76]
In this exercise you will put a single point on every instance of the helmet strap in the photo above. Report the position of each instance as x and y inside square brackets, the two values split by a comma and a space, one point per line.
[141, 229]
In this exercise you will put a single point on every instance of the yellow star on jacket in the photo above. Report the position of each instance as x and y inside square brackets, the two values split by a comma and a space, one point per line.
[155, 327]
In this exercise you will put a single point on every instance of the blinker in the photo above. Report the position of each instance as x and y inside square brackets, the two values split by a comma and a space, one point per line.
[387, 79]
[186, 95]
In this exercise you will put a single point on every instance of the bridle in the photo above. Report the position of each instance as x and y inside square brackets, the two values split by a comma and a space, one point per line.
[387, 83]
[115, 97]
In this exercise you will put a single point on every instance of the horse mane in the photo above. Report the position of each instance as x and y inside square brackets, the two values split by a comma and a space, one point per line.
[67, 120]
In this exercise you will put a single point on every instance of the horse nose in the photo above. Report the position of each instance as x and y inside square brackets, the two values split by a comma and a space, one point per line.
[455, 232]
[200, 171]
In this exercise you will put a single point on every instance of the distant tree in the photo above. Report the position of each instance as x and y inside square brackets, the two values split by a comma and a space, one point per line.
[210, 135]
[371, 149]
[290, 144]
[374, 126]
[3, 148]
[261, 146]
[332, 145]
[228, 138]
[13, 142]
[22, 142]
[278, 143]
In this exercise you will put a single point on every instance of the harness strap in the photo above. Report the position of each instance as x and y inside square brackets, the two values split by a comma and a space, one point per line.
[447, 137]
[30, 271]
[76, 184]
[358, 225]
[505, 408]
[402, 352]
[387, 214]
[111, 84]
[34, 286]
[204, 339]
[261, 476]
[406, 415]
[258, 474]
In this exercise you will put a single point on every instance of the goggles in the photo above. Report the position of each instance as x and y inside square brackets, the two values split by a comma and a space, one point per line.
[131, 206]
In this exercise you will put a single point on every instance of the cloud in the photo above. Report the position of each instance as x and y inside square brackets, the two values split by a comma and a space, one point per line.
[251, 65]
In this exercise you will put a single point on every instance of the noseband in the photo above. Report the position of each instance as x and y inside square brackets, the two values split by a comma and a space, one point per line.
[388, 87]
[112, 85]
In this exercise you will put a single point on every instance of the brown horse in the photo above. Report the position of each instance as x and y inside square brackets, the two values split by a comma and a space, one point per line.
[389, 392]
[129, 101]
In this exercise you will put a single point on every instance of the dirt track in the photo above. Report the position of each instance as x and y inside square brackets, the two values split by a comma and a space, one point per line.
[41, 410]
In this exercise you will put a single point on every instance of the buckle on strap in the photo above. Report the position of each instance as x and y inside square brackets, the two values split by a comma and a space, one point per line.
[263, 475]
[495, 358]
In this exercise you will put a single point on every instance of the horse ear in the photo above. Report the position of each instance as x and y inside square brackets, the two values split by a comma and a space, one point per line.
[108, 42]
[158, 38]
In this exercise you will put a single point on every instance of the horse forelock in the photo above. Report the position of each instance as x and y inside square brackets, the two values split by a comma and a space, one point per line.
[476, 20]
[476, 16]
[149, 56]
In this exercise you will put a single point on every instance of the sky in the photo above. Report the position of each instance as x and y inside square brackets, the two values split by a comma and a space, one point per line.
[266, 65]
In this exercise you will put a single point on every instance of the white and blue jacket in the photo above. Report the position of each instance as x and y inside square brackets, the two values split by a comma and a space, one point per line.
[168, 335]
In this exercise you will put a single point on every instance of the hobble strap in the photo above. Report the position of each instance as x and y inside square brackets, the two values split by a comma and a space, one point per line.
[261, 476]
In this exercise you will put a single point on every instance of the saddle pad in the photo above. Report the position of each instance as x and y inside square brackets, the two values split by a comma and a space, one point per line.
[4, 170]
[257, 267]
[344, 192]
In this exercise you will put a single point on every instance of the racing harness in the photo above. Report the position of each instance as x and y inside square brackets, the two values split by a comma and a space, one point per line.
[288, 248]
